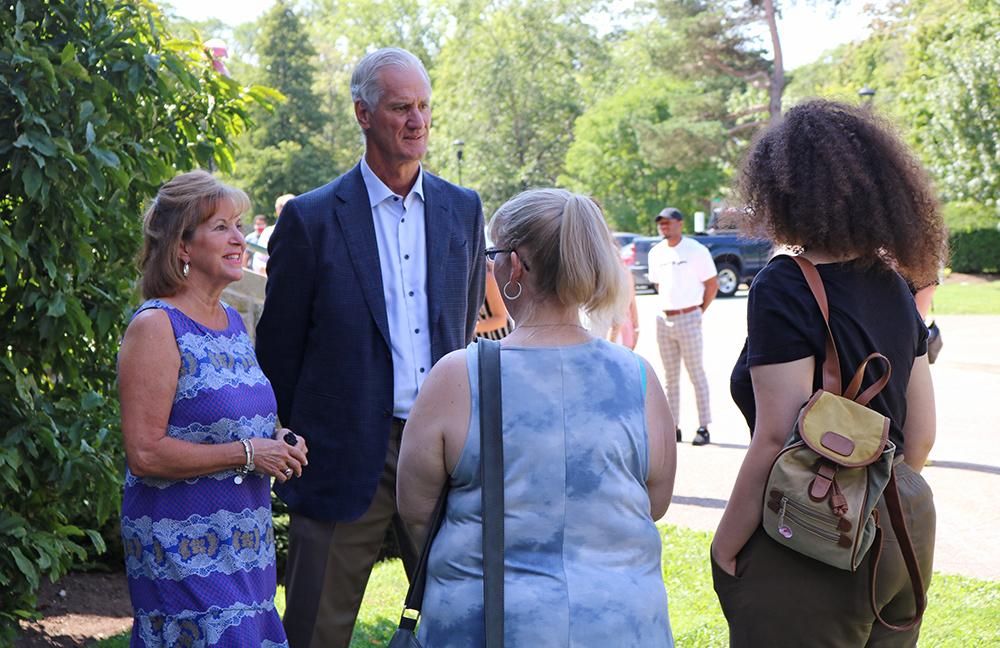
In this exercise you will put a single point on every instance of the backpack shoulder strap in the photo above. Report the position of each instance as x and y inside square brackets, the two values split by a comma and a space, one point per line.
[831, 365]
[895, 509]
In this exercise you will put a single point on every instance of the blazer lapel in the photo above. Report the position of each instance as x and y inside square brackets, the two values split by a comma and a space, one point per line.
[354, 213]
[437, 216]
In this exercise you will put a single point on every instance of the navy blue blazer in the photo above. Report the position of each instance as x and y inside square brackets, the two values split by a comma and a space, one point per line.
[323, 339]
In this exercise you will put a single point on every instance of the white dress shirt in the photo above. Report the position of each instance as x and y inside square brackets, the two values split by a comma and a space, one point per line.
[401, 235]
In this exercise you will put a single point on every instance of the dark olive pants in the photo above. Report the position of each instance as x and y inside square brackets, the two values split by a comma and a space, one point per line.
[780, 597]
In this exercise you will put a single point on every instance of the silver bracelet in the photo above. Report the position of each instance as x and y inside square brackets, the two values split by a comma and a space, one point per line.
[241, 473]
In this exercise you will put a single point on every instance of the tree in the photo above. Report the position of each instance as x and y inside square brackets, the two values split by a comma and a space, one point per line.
[637, 149]
[701, 39]
[100, 106]
[514, 75]
[286, 152]
[955, 100]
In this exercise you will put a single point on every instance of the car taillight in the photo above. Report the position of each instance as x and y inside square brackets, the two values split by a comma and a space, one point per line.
[628, 254]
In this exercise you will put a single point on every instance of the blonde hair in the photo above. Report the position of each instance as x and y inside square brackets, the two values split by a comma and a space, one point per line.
[565, 241]
[279, 204]
[180, 207]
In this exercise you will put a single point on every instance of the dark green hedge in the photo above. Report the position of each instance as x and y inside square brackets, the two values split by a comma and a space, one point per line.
[975, 251]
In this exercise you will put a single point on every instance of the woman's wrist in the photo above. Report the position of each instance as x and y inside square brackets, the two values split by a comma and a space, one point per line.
[249, 466]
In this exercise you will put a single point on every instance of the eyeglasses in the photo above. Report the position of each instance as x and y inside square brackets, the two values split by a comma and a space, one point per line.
[492, 253]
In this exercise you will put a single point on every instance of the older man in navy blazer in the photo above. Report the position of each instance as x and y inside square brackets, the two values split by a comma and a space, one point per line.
[371, 279]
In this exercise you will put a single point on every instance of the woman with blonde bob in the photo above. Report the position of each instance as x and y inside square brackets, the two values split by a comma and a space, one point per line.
[198, 421]
[589, 456]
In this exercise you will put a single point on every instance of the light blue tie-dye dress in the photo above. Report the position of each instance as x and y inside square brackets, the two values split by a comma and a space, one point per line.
[582, 554]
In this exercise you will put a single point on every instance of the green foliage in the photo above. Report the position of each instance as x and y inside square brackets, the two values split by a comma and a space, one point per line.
[968, 215]
[956, 100]
[100, 106]
[621, 154]
[285, 62]
[975, 251]
[285, 153]
[514, 81]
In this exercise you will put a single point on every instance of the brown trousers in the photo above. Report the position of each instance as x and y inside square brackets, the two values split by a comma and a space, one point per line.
[329, 564]
[780, 597]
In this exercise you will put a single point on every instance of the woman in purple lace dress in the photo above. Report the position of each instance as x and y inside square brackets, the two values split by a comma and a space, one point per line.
[198, 420]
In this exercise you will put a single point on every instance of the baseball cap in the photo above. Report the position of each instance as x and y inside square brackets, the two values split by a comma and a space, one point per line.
[669, 212]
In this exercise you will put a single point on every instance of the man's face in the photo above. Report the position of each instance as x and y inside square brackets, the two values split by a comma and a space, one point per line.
[397, 130]
[670, 228]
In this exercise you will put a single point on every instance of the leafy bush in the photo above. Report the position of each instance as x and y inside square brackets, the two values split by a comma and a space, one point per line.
[100, 106]
[975, 251]
[968, 215]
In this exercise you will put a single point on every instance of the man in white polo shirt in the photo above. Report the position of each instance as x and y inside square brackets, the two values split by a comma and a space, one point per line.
[685, 277]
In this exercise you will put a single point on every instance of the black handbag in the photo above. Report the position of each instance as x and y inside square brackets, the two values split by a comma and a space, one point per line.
[491, 466]
[934, 342]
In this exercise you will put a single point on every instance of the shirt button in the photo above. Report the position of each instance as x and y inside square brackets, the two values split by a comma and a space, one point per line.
[402, 220]
[421, 370]
[406, 256]
[416, 330]
[411, 293]
[395, 198]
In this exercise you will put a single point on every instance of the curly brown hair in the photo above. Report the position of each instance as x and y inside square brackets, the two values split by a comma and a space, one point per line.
[836, 177]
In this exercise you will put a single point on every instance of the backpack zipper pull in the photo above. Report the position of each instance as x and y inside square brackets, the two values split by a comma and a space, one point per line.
[838, 501]
[782, 528]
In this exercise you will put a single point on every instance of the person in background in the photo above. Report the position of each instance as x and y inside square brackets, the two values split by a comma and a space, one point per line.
[259, 224]
[626, 331]
[494, 322]
[259, 261]
[683, 273]
[588, 456]
[372, 279]
[198, 421]
[834, 181]
[924, 298]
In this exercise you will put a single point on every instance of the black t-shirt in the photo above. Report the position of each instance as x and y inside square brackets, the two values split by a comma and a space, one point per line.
[870, 310]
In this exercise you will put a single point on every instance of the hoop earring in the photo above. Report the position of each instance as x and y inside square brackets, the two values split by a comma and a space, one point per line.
[515, 296]
[185, 269]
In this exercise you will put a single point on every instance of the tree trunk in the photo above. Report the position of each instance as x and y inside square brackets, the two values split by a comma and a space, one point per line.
[777, 85]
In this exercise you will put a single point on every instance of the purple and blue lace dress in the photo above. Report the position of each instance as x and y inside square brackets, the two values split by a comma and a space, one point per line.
[200, 552]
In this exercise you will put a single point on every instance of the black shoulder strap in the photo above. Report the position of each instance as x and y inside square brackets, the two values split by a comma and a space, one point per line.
[491, 458]
[415, 594]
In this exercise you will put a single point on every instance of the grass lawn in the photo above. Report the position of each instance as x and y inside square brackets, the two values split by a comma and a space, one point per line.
[967, 299]
[961, 611]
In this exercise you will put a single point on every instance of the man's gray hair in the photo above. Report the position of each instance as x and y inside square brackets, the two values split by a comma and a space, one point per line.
[366, 83]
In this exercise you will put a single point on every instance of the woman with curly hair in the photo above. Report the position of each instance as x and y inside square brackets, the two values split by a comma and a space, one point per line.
[834, 182]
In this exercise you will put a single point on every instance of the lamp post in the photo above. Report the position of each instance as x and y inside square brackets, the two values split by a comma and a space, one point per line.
[459, 145]
[866, 94]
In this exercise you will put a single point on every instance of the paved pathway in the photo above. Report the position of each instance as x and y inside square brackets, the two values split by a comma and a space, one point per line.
[965, 469]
